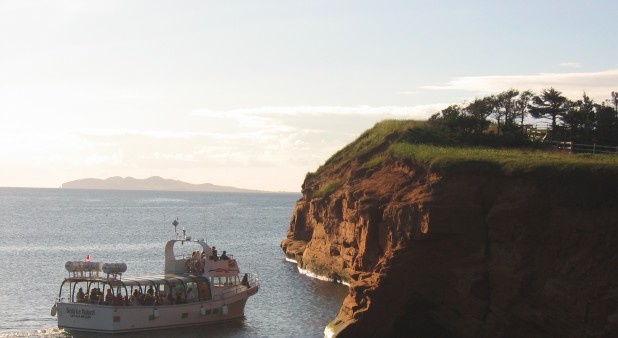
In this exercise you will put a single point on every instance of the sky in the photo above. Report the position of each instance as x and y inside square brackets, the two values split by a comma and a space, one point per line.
[255, 94]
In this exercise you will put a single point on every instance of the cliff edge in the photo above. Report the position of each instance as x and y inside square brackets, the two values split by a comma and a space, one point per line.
[468, 250]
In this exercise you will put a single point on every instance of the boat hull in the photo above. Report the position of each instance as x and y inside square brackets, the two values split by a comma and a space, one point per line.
[103, 318]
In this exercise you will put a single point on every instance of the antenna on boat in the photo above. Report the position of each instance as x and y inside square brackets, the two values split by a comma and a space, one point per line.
[175, 224]
[204, 217]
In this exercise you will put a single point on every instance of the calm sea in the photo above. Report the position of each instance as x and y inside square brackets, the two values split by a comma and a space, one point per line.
[43, 228]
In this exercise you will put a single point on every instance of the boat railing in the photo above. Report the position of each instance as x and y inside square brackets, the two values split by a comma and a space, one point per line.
[252, 282]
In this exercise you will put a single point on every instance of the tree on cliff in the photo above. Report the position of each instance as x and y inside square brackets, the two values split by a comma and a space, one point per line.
[456, 120]
[522, 103]
[478, 111]
[549, 104]
[607, 125]
[580, 120]
[504, 110]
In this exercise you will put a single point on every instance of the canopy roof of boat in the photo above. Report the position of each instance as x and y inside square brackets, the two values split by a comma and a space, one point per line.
[140, 280]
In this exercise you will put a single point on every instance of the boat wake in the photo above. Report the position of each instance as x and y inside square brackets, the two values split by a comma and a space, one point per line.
[51, 332]
[320, 277]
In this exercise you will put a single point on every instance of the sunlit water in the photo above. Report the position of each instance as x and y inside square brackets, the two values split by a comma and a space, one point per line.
[43, 228]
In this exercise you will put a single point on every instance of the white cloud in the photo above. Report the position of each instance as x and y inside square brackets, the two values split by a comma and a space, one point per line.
[157, 134]
[418, 112]
[283, 143]
[571, 65]
[598, 85]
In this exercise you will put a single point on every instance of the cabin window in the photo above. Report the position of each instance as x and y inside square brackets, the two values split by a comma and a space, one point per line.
[166, 296]
[222, 281]
[192, 292]
[204, 290]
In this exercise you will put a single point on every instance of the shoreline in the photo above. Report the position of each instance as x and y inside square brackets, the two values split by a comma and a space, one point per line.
[308, 273]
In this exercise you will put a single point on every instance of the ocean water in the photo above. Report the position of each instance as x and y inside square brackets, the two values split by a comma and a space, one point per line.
[43, 228]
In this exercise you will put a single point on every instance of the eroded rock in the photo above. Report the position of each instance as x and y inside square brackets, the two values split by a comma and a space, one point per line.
[463, 255]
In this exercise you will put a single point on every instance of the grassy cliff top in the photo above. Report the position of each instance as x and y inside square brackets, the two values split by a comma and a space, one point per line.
[399, 139]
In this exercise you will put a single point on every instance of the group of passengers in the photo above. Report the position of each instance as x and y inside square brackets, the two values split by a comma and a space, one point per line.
[196, 262]
[96, 297]
[213, 255]
[150, 298]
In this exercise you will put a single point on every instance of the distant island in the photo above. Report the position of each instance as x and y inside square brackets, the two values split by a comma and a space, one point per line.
[152, 183]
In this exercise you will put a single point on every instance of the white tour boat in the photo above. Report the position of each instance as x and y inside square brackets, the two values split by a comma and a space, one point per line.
[195, 289]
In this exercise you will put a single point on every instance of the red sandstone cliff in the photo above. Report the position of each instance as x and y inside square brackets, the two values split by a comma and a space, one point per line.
[468, 254]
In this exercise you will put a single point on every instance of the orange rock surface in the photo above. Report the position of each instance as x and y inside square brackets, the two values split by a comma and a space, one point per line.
[467, 254]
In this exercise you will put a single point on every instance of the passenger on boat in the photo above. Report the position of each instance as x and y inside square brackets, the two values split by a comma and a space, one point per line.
[194, 264]
[213, 254]
[94, 296]
[245, 280]
[157, 298]
[179, 298]
[224, 256]
[198, 265]
[188, 265]
[80, 295]
[109, 298]
[190, 296]
[118, 300]
[148, 299]
[136, 298]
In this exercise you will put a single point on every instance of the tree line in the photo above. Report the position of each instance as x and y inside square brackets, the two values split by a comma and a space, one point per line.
[509, 116]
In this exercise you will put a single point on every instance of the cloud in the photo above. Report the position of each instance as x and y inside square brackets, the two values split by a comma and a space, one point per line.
[419, 111]
[210, 145]
[571, 64]
[308, 125]
[157, 134]
[598, 85]
[305, 135]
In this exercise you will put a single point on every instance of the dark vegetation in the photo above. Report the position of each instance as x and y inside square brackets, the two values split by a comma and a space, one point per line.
[498, 132]
[509, 118]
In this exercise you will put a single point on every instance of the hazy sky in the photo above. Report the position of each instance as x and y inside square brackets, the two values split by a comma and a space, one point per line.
[255, 94]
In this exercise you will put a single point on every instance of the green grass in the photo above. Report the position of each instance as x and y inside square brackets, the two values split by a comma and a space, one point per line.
[508, 160]
[410, 140]
[327, 189]
[380, 136]
[374, 162]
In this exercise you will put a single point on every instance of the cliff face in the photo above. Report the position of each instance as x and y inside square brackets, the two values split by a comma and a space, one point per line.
[467, 254]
